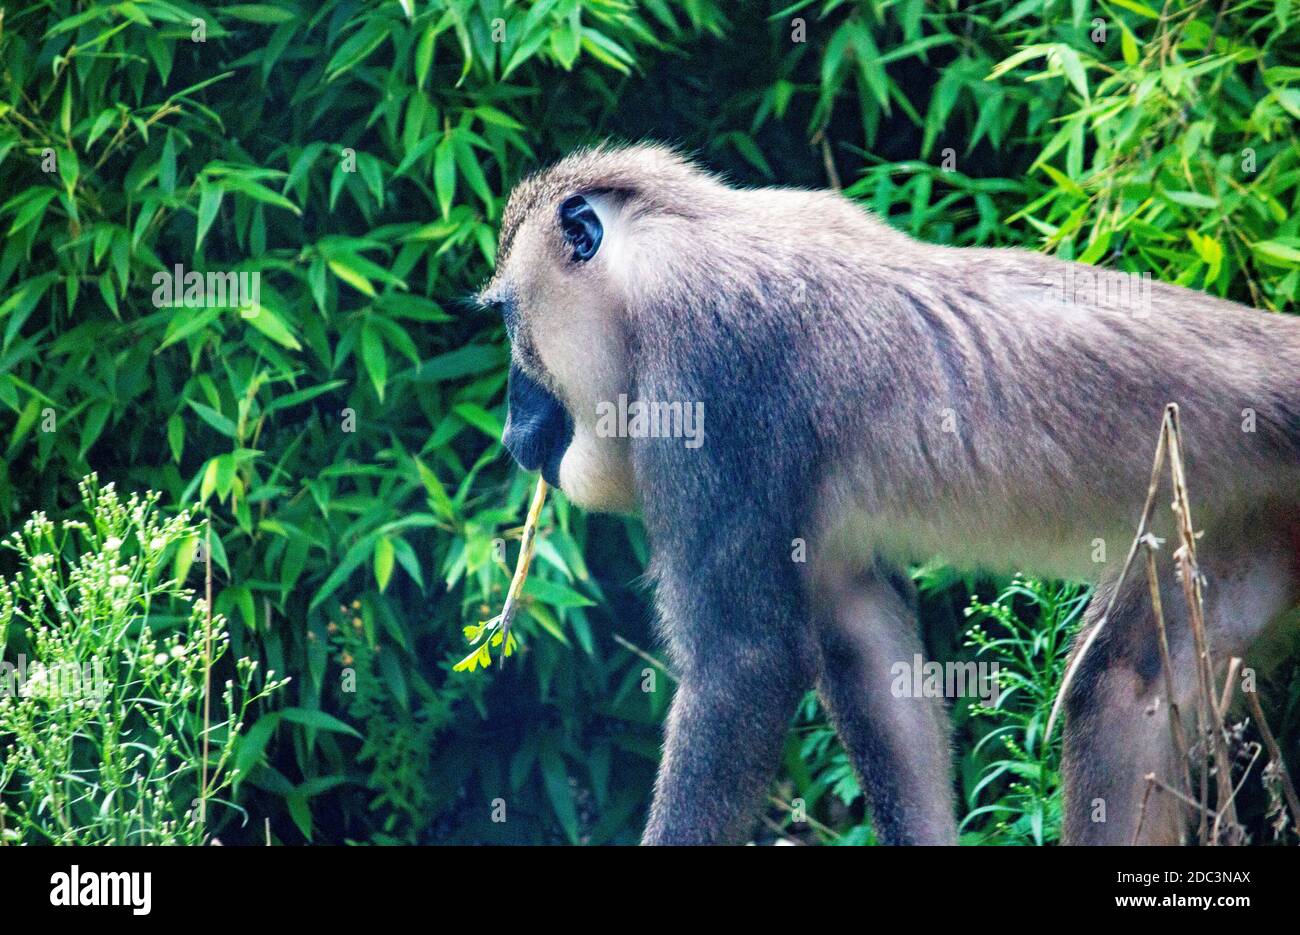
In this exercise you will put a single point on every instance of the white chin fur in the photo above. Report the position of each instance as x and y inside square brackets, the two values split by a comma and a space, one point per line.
[598, 476]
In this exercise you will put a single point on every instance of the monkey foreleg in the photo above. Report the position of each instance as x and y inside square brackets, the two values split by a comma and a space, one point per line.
[898, 745]
[723, 741]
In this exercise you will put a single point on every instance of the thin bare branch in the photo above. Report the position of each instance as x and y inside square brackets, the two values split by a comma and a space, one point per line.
[1143, 521]
[1275, 754]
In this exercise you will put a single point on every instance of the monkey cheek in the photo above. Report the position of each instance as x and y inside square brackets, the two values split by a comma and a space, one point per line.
[597, 475]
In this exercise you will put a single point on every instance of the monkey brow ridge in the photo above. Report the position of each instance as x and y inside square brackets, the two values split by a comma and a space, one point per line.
[602, 168]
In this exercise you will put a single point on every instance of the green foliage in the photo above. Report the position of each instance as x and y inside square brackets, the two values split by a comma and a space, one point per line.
[1008, 772]
[1026, 630]
[103, 718]
[342, 431]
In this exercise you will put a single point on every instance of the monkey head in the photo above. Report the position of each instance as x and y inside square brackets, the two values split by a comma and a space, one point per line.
[571, 241]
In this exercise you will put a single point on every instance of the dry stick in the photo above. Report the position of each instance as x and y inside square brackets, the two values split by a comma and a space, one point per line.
[1225, 701]
[828, 158]
[526, 543]
[1073, 667]
[1229, 683]
[808, 819]
[1142, 812]
[1203, 744]
[634, 648]
[1153, 782]
[1192, 593]
[1218, 817]
[1275, 754]
[1170, 790]
[1203, 830]
[1209, 723]
[1175, 716]
[207, 670]
[1165, 787]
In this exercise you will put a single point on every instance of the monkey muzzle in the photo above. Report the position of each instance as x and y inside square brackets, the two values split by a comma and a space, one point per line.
[538, 427]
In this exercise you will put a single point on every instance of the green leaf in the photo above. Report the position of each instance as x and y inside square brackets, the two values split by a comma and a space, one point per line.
[424, 55]
[318, 720]
[606, 50]
[467, 160]
[93, 426]
[187, 321]
[438, 497]
[1192, 199]
[463, 362]
[1276, 252]
[1072, 65]
[209, 204]
[1063, 181]
[557, 595]
[558, 789]
[416, 152]
[259, 192]
[1019, 58]
[252, 745]
[167, 165]
[215, 419]
[1139, 8]
[444, 175]
[259, 13]
[1128, 46]
[347, 272]
[209, 485]
[352, 560]
[32, 210]
[271, 325]
[176, 437]
[356, 49]
[301, 396]
[384, 555]
[481, 419]
[101, 124]
[1289, 98]
[407, 558]
[566, 43]
[375, 358]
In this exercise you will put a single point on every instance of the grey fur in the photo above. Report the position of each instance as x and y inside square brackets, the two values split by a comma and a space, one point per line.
[882, 400]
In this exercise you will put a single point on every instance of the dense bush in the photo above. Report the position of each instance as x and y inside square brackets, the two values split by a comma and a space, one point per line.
[112, 729]
[342, 433]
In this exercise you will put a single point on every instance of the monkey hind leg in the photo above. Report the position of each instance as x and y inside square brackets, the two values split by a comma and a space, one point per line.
[899, 745]
[1119, 729]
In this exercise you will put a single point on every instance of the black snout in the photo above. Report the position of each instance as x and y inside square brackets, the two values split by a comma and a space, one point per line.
[538, 427]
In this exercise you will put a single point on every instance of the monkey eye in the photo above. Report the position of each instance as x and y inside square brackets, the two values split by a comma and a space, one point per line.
[581, 227]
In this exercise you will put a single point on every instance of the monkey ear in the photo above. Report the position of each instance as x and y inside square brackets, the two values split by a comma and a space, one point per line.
[581, 227]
